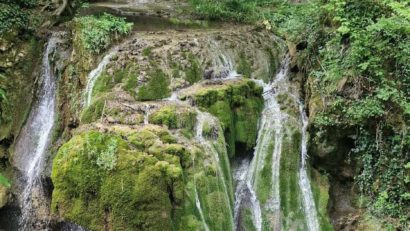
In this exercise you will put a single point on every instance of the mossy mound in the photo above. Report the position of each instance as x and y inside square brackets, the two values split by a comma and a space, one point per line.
[101, 181]
[136, 179]
[174, 117]
[238, 106]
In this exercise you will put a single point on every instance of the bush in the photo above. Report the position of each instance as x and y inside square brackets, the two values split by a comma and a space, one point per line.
[238, 10]
[12, 17]
[97, 33]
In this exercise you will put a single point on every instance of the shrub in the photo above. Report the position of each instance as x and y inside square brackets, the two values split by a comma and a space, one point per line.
[238, 10]
[12, 17]
[97, 33]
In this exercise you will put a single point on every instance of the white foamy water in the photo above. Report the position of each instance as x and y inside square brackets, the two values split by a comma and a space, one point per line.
[31, 147]
[94, 74]
[270, 130]
[304, 183]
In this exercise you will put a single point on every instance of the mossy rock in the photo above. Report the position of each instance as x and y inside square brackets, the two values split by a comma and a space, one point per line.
[238, 106]
[95, 110]
[136, 179]
[174, 117]
[100, 177]
[290, 192]
[320, 189]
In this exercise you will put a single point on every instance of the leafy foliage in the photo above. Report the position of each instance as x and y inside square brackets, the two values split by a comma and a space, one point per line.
[239, 10]
[363, 70]
[12, 16]
[383, 176]
[97, 33]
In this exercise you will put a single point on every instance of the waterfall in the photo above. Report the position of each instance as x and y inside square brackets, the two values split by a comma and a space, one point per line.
[304, 184]
[223, 64]
[94, 74]
[197, 201]
[270, 128]
[265, 206]
[210, 149]
[34, 139]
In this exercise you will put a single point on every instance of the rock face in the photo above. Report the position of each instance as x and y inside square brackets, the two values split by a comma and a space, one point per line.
[145, 154]
[3, 196]
[168, 112]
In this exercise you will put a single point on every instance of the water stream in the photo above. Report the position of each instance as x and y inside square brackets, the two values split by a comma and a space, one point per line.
[251, 195]
[31, 147]
[210, 149]
[94, 74]
[304, 184]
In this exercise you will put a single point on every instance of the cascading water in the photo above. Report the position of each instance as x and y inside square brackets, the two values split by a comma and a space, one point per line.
[304, 184]
[197, 201]
[257, 194]
[31, 147]
[223, 63]
[210, 149]
[94, 74]
[270, 128]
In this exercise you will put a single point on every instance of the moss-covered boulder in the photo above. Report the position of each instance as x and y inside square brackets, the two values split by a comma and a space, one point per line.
[102, 181]
[237, 104]
[174, 117]
[118, 178]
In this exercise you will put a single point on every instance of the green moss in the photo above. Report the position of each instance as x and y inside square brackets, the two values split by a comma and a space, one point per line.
[238, 107]
[273, 63]
[87, 182]
[320, 189]
[147, 51]
[16, 83]
[193, 74]
[157, 86]
[94, 111]
[244, 67]
[4, 181]
[264, 189]
[246, 220]
[131, 82]
[174, 117]
[290, 195]
[106, 82]
[146, 183]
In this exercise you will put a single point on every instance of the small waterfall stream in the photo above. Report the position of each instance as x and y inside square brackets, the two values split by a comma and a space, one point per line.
[94, 74]
[304, 184]
[31, 147]
[211, 150]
